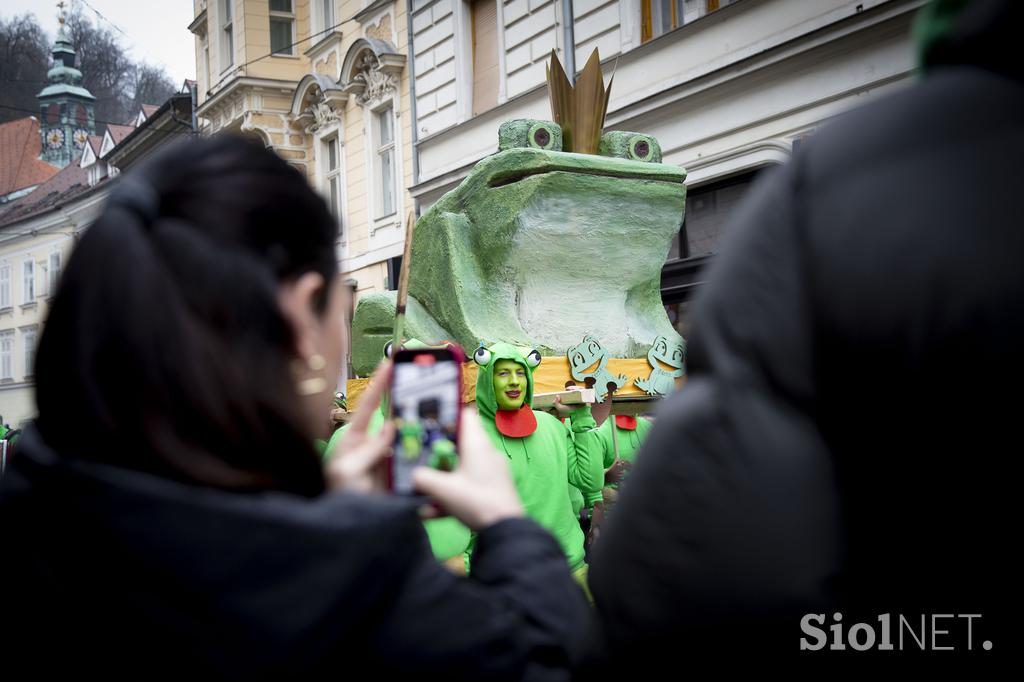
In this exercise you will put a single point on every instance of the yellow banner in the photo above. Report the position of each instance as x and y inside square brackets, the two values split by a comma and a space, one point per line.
[549, 377]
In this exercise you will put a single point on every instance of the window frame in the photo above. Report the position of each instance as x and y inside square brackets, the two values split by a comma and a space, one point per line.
[380, 149]
[6, 286]
[281, 15]
[337, 175]
[28, 350]
[53, 272]
[28, 281]
[7, 355]
[321, 22]
[227, 27]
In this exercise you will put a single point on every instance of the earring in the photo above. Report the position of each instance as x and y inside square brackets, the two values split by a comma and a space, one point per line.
[312, 385]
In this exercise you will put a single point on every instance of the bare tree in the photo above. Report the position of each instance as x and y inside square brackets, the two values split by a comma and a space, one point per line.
[24, 60]
[106, 68]
[119, 85]
[150, 85]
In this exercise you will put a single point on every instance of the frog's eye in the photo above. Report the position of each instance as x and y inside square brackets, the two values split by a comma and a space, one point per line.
[593, 348]
[533, 359]
[482, 356]
[677, 354]
[632, 146]
[387, 349]
[531, 134]
[578, 360]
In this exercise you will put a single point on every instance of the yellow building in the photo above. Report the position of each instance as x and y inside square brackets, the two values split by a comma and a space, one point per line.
[323, 83]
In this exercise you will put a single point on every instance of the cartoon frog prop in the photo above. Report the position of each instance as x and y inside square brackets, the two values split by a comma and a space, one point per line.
[590, 354]
[536, 245]
[663, 352]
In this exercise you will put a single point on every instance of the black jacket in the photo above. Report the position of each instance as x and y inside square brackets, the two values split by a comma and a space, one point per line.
[119, 572]
[850, 433]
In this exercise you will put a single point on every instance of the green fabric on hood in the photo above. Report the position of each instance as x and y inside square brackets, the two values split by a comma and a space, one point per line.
[980, 33]
[486, 401]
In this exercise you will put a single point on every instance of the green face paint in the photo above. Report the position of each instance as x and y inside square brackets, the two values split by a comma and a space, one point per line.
[509, 384]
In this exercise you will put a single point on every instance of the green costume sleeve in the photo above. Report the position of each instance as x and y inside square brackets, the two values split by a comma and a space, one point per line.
[585, 452]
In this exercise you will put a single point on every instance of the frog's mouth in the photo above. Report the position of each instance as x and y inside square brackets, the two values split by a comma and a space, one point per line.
[658, 173]
[589, 369]
[666, 366]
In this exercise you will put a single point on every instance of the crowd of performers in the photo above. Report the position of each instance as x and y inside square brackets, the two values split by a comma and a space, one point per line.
[567, 468]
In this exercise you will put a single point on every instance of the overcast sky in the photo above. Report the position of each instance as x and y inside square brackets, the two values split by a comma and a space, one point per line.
[157, 31]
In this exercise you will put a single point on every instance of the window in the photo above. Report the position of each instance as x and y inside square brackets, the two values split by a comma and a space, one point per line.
[282, 23]
[206, 62]
[332, 175]
[707, 209]
[54, 273]
[324, 15]
[5, 285]
[28, 278]
[485, 55]
[394, 273]
[227, 35]
[385, 162]
[658, 17]
[7, 354]
[28, 336]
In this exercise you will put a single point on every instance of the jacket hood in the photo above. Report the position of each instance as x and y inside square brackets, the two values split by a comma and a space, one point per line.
[981, 33]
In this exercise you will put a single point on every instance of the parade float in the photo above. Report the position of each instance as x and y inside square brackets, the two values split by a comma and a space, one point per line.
[554, 243]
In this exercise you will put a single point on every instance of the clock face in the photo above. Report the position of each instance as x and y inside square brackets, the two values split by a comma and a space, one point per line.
[55, 138]
[80, 137]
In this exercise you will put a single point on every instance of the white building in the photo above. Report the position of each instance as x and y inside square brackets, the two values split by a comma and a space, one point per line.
[728, 88]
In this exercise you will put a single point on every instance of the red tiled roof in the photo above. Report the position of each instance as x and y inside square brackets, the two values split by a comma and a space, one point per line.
[149, 109]
[20, 166]
[64, 185]
[96, 141]
[119, 132]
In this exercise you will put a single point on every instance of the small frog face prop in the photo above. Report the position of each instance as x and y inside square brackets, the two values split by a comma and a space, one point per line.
[584, 356]
[661, 381]
[670, 354]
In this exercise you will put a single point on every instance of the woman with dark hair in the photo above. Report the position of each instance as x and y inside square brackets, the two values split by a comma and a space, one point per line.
[168, 509]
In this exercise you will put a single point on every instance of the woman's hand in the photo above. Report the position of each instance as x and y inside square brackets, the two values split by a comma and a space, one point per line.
[361, 465]
[480, 491]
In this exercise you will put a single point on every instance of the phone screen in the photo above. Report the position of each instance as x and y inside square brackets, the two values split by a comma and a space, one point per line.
[426, 390]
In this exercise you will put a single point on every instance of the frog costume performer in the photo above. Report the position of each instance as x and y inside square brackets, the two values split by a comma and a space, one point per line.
[544, 454]
[631, 432]
[449, 539]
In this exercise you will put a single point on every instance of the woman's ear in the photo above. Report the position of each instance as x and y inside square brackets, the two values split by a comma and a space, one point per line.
[297, 299]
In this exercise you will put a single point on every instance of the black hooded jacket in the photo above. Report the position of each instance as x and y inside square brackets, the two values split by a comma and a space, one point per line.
[123, 573]
[849, 436]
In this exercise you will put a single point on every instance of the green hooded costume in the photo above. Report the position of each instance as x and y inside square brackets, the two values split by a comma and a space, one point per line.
[448, 537]
[630, 433]
[543, 453]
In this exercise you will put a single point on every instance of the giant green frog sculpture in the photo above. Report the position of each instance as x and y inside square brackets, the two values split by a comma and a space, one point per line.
[539, 247]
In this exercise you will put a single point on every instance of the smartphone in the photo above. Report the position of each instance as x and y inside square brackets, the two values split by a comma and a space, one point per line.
[426, 401]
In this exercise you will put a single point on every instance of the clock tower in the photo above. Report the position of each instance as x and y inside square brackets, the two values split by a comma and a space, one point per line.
[66, 108]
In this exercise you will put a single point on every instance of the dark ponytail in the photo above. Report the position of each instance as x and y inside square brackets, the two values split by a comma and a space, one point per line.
[165, 349]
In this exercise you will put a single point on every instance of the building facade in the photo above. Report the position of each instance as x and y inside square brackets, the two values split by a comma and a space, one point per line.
[38, 231]
[324, 84]
[727, 87]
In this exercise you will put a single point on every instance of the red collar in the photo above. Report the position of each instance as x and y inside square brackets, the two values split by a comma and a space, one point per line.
[516, 423]
[624, 421]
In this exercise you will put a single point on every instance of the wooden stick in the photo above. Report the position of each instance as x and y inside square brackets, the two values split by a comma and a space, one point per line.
[403, 285]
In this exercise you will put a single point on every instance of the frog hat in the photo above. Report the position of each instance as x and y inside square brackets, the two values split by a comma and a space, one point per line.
[511, 423]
